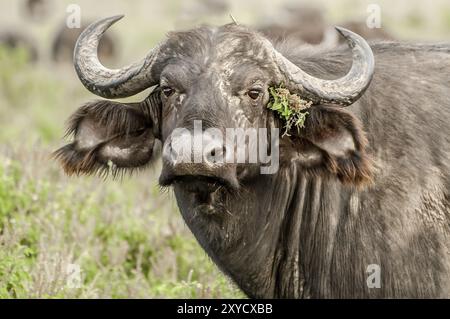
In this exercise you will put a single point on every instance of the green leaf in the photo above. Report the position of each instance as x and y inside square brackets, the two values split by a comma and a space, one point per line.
[291, 115]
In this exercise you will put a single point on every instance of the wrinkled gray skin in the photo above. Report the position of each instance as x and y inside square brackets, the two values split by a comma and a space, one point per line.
[297, 234]
[289, 235]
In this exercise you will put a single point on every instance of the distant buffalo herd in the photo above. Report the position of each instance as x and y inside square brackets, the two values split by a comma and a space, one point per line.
[306, 25]
[63, 40]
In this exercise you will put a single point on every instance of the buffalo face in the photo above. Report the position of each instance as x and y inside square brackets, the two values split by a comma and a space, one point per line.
[218, 85]
[211, 88]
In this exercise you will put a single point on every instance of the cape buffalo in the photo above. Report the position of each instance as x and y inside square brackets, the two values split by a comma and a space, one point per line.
[14, 40]
[37, 10]
[64, 44]
[308, 25]
[301, 22]
[359, 206]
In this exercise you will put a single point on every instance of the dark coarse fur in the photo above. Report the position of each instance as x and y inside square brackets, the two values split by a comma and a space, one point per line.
[116, 122]
[327, 235]
[311, 230]
[301, 235]
[354, 169]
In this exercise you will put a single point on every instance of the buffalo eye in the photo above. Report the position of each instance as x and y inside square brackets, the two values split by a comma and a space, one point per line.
[167, 91]
[254, 94]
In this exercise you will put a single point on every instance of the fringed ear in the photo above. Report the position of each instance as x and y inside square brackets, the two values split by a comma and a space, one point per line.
[110, 137]
[339, 139]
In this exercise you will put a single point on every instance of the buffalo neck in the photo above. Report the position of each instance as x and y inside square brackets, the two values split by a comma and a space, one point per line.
[280, 235]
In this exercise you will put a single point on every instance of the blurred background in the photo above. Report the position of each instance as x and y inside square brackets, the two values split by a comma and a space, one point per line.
[86, 237]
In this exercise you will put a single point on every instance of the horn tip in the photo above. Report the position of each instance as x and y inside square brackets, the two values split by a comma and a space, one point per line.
[116, 18]
[343, 31]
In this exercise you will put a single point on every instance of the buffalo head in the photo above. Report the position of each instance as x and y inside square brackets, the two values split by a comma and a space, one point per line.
[211, 79]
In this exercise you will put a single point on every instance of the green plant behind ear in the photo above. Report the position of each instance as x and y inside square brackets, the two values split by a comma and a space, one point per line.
[289, 107]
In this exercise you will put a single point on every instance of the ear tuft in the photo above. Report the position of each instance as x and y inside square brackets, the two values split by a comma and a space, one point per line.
[109, 139]
[355, 169]
[340, 139]
[114, 117]
[77, 162]
[69, 158]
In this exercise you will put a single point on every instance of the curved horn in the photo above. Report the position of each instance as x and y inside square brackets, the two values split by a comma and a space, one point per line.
[110, 83]
[343, 91]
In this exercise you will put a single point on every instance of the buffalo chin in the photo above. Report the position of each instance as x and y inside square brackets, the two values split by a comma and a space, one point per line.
[204, 194]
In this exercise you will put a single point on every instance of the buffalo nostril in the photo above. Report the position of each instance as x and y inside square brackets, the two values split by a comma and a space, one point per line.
[217, 151]
[215, 154]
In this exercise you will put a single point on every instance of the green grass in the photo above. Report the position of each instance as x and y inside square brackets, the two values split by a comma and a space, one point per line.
[127, 238]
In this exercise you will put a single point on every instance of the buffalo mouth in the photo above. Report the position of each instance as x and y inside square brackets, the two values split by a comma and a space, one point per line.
[205, 193]
[199, 179]
[199, 184]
